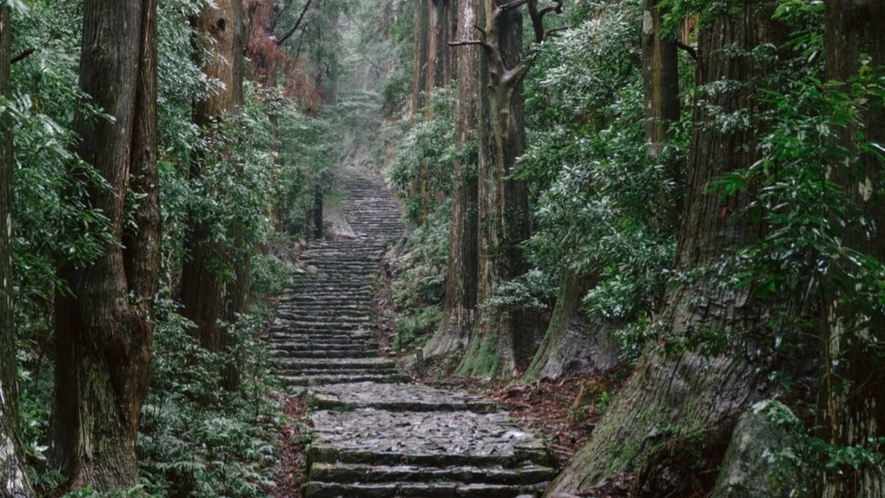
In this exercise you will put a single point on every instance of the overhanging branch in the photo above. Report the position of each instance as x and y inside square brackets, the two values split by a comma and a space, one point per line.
[285, 36]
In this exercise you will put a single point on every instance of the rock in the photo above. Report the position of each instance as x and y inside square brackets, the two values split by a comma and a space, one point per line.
[761, 458]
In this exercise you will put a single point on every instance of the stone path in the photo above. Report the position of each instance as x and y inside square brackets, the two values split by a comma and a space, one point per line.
[375, 433]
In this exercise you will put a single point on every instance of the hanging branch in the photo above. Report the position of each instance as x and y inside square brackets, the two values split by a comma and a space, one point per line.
[541, 34]
[285, 36]
[489, 40]
[24, 55]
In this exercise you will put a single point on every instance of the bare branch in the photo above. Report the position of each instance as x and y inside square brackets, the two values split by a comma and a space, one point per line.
[556, 31]
[24, 55]
[513, 77]
[467, 43]
[537, 16]
[376, 66]
[285, 36]
[512, 5]
[688, 49]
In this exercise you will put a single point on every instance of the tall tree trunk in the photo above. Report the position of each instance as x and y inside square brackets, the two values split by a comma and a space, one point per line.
[673, 418]
[205, 294]
[420, 56]
[501, 337]
[459, 312]
[855, 414]
[13, 480]
[574, 342]
[660, 77]
[447, 15]
[103, 341]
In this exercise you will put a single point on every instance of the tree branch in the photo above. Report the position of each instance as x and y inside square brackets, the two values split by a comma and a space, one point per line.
[376, 66]
[537, 16]
[689, 49]
[512, 5]
[24, 55]
[289, 33]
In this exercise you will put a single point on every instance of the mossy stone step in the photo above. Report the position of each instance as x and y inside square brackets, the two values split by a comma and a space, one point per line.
[317, 489]
[408, 398]
[352, 473]
[318, 380]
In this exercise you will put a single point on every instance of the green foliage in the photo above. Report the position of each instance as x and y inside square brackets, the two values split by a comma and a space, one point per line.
[197, 439]
[419, 291]
[605, 203]
[530, 291]
[426, 157]
[416, 327]
[270, 275]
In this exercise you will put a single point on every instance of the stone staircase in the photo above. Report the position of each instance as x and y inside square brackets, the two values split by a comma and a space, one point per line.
[375, 433]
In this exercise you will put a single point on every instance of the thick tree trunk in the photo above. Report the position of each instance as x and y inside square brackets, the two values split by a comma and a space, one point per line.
[459, 312]
[318, 212]
[13, 481]
[660, 77]
[205, 294]
[855, 415]
[141, 245]
[671, 421]
[103, 341]
[440, 63]
[574, 342]
[501, 337]
[420, 56]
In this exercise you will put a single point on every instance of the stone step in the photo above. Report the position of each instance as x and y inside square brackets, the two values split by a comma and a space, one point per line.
[407, 398]
[291, 350]
[318, 380]
[355, 473]
[437, 439]
[337, 364]
[341, 338]
[333, 353]
[318, 489]
[295, 343]
[331, 325]
[338, 318]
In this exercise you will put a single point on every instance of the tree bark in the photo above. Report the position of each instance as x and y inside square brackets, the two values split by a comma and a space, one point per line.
[103, 341]
[459, 311]
[420, 56]
[574, 342]
[501, 337]
[206, 296]
[660, 77]
[672, 420]
[13, 480]
[854, 415]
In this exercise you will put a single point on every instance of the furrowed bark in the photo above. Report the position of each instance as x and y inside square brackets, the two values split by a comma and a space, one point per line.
[141, 245]
[501, 337]
[207, 298]
[855, 415]
[13, 480]
[459, 311]
[574, 342]
[671, 422]
[420, 56]
[660, 78]
[102, 340]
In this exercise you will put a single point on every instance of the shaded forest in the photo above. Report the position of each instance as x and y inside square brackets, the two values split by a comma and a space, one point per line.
[675, 206]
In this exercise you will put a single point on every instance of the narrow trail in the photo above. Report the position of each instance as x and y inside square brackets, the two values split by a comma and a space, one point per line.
[376, 433]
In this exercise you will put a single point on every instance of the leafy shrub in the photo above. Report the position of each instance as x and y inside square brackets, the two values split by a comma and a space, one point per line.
[195, 438]
[270, 274]
[413, 328]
